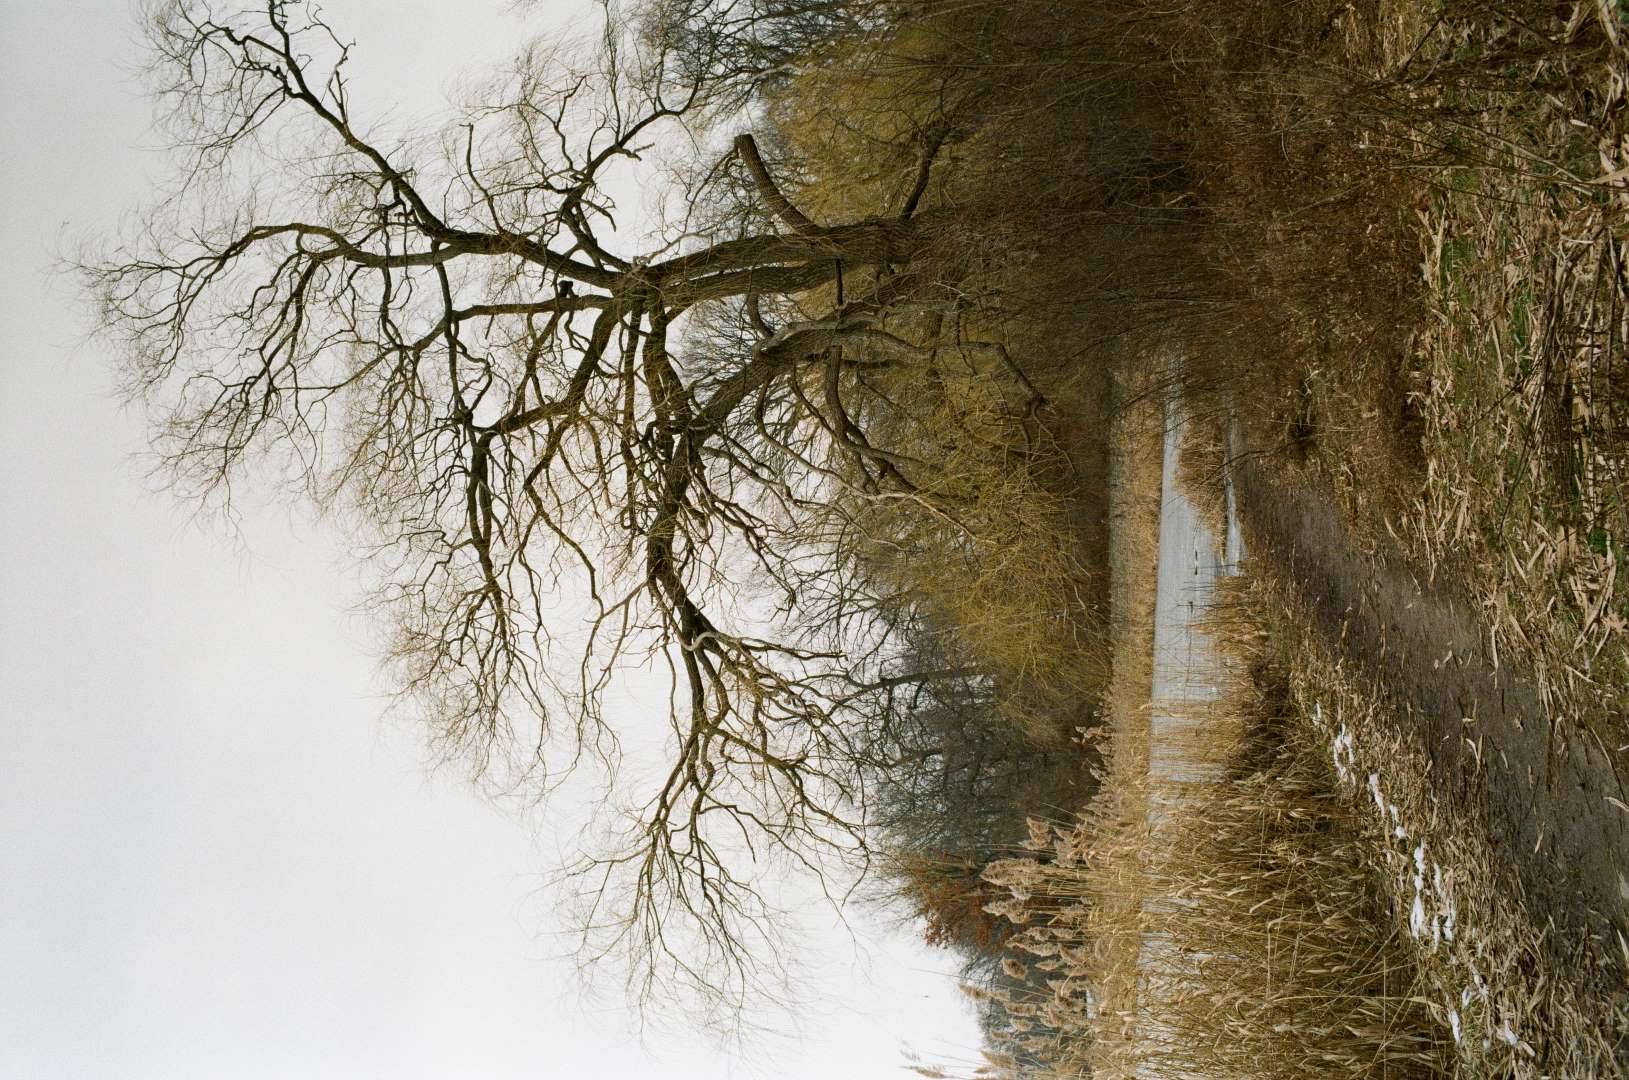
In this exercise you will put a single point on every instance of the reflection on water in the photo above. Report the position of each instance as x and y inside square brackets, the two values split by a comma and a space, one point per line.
[1187, 677]
[1187, 670]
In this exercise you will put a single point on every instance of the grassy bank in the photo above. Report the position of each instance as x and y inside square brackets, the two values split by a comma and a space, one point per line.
[1417, 242]
[1486, 970]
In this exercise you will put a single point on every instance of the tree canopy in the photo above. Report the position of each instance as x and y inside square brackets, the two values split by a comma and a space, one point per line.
[571, 453]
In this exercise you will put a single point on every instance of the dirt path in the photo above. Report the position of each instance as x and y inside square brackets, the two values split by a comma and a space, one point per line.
[1546, 803]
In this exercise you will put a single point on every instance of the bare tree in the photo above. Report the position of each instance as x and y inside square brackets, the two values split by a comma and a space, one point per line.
[444, 337]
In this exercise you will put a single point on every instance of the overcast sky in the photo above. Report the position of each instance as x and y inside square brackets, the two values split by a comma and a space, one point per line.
[215, 860]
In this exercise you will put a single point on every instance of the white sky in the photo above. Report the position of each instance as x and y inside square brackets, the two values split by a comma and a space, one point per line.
[214, 861]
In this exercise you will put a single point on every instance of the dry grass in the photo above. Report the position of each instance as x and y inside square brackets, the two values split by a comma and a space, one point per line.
[1134, 525]
[1423, 217]
[1481, 959]
[1241, 931]
[1243, 934]
[1420, 215]
[1121, 808]
[992, 546]
[1200, 473]
[1516, 378]
[1412, 293]
[1319, 913]
[1523, 397]
[1477, 436]
[1082, 1014]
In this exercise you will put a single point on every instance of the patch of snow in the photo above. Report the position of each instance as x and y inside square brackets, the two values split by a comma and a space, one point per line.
[1453, 1022]
[1507, 1035]
[1416, 917]
[1342, 752]
[1419, 923]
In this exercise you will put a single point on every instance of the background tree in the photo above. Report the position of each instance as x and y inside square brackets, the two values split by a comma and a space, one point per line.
[445, 337]
[955, 788]
[853, 384]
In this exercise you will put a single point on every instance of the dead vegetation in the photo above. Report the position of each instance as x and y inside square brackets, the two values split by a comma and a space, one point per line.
[1420, 212]
[1320, 912]
[1408, 289]
[1485, 966]
[1246, 932]
[891, 381]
